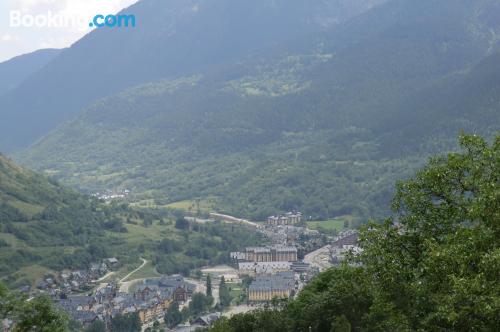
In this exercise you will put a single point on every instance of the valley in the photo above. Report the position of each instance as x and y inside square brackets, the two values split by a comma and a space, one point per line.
[249, 166]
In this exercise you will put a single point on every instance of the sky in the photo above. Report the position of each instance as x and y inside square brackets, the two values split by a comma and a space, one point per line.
[70, 20]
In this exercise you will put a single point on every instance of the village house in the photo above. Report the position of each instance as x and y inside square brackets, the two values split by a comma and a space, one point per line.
[277, 253]
[207, 320]
[149, 300]
[289, 218]
[253, 268]
[269, 286]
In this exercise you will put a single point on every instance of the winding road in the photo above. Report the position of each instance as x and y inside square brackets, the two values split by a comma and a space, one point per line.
[124, 285]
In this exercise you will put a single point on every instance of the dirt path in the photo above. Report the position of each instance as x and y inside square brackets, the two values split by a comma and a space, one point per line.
[109, 274]
[144, 262]
[125, 285]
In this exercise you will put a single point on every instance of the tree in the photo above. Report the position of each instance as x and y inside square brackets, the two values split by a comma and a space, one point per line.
[341, 324]
[96, 326]
[181, 223]
[209, 285]
[35, 315]
[198, 304]
[435, 266]
[173, 317]
[126, 323]
[438, 265]
[225, 297]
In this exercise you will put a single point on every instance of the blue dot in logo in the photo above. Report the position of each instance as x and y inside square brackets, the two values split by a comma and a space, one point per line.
[91, 24]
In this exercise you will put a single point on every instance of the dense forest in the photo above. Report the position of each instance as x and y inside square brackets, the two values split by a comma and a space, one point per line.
[45, 228]
[434, 267]
[324, 124]
[345, 110]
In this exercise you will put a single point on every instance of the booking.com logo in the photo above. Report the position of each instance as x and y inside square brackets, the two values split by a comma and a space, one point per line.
[65, 20]
[113, 21]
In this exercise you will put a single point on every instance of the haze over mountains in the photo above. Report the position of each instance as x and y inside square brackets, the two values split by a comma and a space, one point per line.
[18, 69]
[173, 38]
[321, 112]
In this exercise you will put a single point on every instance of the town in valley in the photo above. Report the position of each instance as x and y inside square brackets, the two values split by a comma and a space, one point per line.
[257, 276]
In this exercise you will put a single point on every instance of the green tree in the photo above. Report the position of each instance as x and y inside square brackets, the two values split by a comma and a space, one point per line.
[341, 324]
[225, 297]
[433, 267]
[126, 323]
[438, 266]
[198, 304]
[173, 317]
[36, 315]
[209, 285]
[96, 326]
[181, 223]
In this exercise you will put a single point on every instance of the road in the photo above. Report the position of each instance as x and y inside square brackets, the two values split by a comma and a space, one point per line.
[109, 274]
[319, 258]
[144, 262]
[230, 219]
[238, 310]
[125, 285]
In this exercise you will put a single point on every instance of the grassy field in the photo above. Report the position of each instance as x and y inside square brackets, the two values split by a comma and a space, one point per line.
[137, 234]
[203, 206]
[236, 290]
[147, 271]
[190, 206]
[33, 273]
[332, 224]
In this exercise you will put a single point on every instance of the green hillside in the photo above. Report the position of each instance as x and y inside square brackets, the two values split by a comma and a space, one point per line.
[45, 228]
[326, 129]
[434, 267]
[174, 38]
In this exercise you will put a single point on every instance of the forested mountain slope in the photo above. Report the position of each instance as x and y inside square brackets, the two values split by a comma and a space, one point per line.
[45, 228]
[35, 212]
[322, 129]
[434, 266]
[172, 38]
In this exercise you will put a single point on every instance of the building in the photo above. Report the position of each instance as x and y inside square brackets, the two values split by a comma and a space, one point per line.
[207, 320]
[271, 254]
[149, 300]
[180, 294]
[253, 268]
[346, 238]
[268, 286]
[289, 218]
[300, 267]
[237, 256]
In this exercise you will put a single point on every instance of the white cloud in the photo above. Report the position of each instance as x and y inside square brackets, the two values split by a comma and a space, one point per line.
[8, 38]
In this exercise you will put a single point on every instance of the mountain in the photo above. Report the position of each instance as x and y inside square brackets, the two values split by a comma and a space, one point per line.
[16, 70]
[38, 216]
[46, 228]
[173, 38]
[326, 127]
[466, 102]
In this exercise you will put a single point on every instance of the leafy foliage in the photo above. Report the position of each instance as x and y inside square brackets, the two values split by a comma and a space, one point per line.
[126, 323]
[173, 317]
[435, 267]
[325, 126]
[46, 224]
[37, 315]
